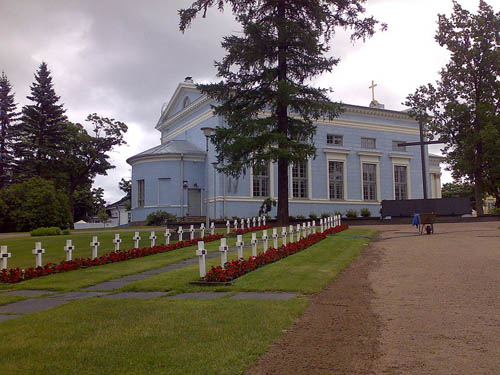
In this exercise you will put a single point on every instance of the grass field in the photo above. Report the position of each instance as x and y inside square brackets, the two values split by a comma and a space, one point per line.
[162, 336]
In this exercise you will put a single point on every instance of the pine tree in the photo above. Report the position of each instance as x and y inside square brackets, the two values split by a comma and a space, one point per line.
[463, 107]
[264, 95]
[41, 134]
[8, 119]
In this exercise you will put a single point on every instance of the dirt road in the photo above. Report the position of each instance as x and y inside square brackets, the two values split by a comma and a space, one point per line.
[410, 304]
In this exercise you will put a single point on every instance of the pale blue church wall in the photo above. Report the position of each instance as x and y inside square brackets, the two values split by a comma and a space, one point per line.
[163, 185]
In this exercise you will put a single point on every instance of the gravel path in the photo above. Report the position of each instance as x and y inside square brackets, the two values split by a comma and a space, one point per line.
[410, 304]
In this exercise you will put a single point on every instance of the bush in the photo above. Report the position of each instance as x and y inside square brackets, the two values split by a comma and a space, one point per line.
[160, 218]
[291, 217]
[338, 213]
[66, 232]
[301, 217]
[496, 211]
[313, 216]
[365, 212]
[351, 213]
[46, 231]
[33, 204]
[325, 215]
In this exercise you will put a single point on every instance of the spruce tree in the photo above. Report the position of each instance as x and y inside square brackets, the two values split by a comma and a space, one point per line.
[8, 120]
[265, 94]
[41, 134]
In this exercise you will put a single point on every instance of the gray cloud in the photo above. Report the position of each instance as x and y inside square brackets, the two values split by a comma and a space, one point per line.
[124, 59]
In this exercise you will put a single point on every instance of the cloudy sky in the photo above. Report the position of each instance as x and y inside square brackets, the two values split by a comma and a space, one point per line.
[124, 58]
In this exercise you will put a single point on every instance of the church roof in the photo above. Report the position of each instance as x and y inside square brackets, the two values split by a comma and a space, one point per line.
[172, 147]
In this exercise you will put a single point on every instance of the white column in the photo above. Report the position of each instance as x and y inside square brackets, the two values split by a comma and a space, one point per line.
[136, 239]
[95, 246]
[153, 239]
[223, 252]
[38, 251]
[69, 250]
[4, 254]
[201, 252]
[254, 244]
[239, 245]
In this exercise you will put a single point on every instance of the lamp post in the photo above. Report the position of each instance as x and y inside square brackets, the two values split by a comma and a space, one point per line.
[215, 189]
[207, 132]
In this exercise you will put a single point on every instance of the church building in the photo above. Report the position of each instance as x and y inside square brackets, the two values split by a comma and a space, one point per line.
[358, 164]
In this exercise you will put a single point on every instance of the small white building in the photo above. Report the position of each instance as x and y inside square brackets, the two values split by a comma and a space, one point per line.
[119, 212]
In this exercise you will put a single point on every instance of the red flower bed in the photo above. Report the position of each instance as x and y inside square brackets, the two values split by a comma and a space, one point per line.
[15, 275]
[337, 229]
[236, 268]
[235, 232]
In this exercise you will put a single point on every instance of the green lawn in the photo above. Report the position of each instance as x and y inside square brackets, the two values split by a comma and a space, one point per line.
[162, 336]
[86, 277]
[21, 247]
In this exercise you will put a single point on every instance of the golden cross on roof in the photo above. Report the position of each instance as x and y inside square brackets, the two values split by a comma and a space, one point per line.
[373, 90]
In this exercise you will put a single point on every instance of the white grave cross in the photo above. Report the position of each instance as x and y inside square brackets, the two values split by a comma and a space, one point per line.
[180, 231]
[321, 225]
[248, 222]
[239, 245]
[275, 238]
[254, 244]
[242, 223]
[263, 220]
[283, 236]
[95, 245]
[297, 232]
[253, 222]
[228, 227]
[202, 230]
[117, 242]
[69, 250]
[264, 240]
[38, 251]
[223, 248]
[191, 232]
[167, 236]
[290, 230]
[258, 221]
[235, 223]
[212, 228]
[136, 239]
[201, 252]
[153, 239]
[4, 255]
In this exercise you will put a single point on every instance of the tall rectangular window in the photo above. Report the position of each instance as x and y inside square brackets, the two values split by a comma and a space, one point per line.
[336, 179]
[396, 147]
[261, 181]
[400, 182]
[299, 180]
[140, 193]
[370, 182]
[369, 143]
[334, 139]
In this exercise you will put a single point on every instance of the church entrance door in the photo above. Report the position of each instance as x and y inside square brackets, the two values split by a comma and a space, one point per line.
[194, 202]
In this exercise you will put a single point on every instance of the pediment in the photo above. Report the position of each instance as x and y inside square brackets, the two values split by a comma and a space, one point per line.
[178, 101]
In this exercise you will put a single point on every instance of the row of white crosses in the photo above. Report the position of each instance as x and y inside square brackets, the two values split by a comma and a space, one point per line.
[250, 223]
[301, 231]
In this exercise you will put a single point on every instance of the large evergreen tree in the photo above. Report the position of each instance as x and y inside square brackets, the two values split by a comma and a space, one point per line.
[8, 120]
[41, 134]
[463, 107]
[265, 95]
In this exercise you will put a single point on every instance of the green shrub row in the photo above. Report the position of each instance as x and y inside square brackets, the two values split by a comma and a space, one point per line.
[49, 231]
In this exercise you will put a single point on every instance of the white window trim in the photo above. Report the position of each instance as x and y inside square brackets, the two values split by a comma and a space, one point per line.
[309, 181]
[340, 156]
[271, 181]
[402, 161]
[370, 158]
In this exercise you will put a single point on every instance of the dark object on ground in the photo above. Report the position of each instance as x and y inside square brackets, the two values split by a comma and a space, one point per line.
[441, 207]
